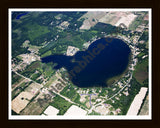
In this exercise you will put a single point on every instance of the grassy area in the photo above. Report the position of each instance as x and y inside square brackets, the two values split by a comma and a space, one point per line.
[93, 31]
[17, 32]
[33, 108]
[136, 22]
[110, 91]
[19, 57]
[61, 104]
[69, 92]
[141, 71]
[49, 71]
[20, 88]
[51, 80]
[45, 69]
[47, 53]
[15, 93]
[16, 78]
[34, 47]
[30, 69]
[144, 36]
[35, 30]
[35, 76]
[125, 101]
[141, 54]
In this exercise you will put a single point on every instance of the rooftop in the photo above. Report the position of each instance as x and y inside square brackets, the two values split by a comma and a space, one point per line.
[51, 111]
[75, 111]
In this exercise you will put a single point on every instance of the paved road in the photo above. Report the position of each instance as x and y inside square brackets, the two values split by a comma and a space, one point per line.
[54, 91]
[121, 89]
[26, 78]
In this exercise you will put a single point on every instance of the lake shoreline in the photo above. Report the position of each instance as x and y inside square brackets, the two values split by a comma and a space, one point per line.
[105, 59]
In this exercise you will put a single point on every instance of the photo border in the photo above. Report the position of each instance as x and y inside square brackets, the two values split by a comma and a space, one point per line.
[107, 117]
[153, 4]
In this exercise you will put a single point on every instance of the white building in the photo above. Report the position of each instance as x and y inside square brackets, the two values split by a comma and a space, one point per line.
[75, 111]
[51, 111]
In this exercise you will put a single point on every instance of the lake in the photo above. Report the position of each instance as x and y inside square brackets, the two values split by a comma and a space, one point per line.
[20, 15]
[104, 59]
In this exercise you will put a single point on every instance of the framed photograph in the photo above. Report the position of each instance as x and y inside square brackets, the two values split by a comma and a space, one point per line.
[80, 63]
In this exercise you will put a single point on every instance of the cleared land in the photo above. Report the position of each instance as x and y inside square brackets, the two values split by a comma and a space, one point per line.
[141, 71]
[21, 101]
[75, 111]
[116, 18]
[91, 19]
[145, 107]
[136, 104]
[51, 111]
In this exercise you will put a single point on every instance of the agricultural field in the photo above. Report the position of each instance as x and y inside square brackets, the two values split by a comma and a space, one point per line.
[141, 71]
[61, 104]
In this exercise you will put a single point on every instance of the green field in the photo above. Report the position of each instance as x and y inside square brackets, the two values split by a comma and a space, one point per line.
[43, 69]
[141, 71]
[16, 78]
[70, 92]
[35, 30]
[61, 104]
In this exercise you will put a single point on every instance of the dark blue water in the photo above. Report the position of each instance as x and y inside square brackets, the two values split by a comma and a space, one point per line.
[104, 59]
[20, 15]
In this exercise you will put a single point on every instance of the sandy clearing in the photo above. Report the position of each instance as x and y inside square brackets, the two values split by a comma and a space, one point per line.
[91, 19]
[127, 20]
[138, 100]
[82, 99]
[71, 50]
[116, 18]
[21, 101]
[102, 110]
[75, 111]
[51, 111]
